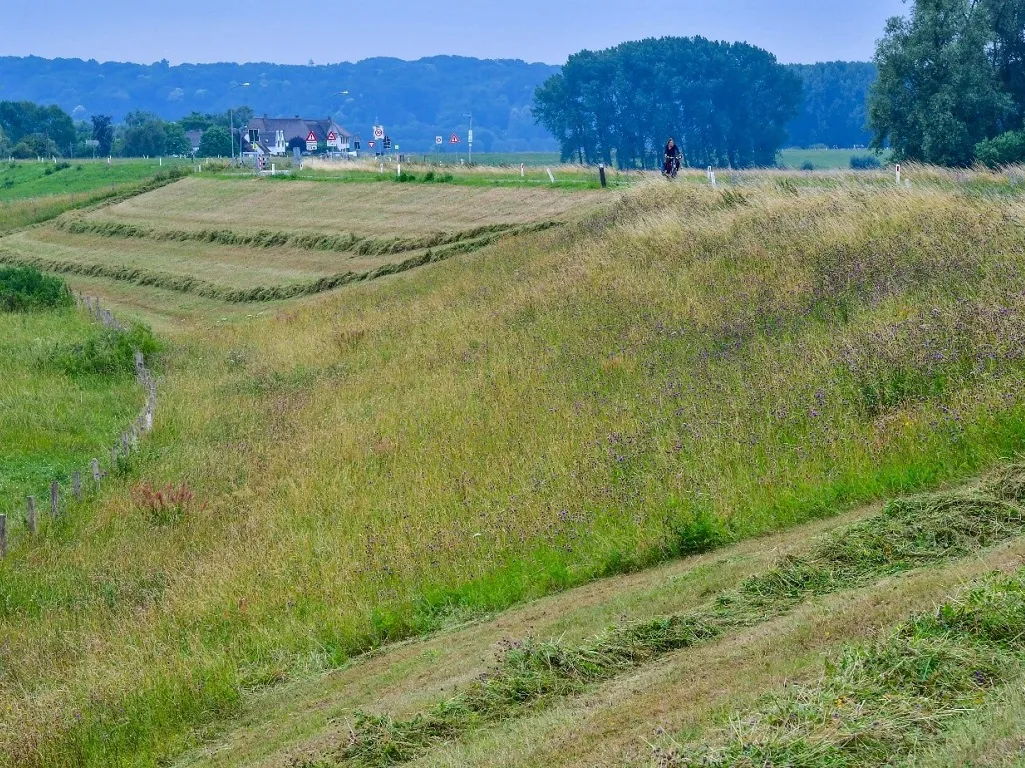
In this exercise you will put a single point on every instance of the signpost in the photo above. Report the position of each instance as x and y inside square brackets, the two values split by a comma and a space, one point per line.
[453, 139]
[311, 142]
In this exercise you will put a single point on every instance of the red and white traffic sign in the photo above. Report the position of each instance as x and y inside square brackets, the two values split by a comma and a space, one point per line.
[311, 137]
[453, 139]
[332, 136]
[370, 144]
[378, 132]
[438, 140]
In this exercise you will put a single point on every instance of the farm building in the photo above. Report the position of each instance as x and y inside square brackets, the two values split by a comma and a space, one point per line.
[273, 135]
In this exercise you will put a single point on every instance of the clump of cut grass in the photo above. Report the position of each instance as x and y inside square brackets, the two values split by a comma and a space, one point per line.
[885, 701]
[910, 533]
[26, 288]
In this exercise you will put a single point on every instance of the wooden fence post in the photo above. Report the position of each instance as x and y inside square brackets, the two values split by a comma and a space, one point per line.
[30, 515]
[96, 472]
[55, 499]
[76, 485]
[125, 445]
[3, 535]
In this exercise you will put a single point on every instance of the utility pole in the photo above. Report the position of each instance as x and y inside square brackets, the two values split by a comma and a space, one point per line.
[469, 136]
[231, 109]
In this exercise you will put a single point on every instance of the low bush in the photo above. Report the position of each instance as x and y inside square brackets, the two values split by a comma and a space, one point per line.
[26, 288]
[1005, 149]
[110, 351]
[865, 163]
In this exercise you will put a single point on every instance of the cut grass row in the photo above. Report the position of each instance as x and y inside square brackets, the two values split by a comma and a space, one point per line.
[911, 533]
[345, 242]
[20, 212]
[287, 287]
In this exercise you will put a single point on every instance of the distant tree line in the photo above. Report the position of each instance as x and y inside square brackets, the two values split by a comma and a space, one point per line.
[28, 130]
[951, 86]
[726, 104]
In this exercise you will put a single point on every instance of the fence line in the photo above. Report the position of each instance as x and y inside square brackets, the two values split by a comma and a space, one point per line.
[122, 448]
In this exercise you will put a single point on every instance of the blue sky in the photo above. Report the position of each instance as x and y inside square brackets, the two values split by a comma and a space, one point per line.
[253, 30]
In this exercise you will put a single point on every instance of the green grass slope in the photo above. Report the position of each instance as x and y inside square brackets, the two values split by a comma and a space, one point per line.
[692, 368]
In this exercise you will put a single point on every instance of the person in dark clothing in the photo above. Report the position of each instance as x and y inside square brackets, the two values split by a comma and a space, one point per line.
[673, 158]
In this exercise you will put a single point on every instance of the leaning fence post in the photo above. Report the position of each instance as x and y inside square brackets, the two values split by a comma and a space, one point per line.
[55, 498]
[96, 472]
[125, 444]
[139, 364]
[3, 535]
[76, 485]
[30, 515]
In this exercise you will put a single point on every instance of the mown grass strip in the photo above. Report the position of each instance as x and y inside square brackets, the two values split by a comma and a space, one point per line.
[882, 702]
[910, 533]
[19, 214]
[346, 242]
[210, 290]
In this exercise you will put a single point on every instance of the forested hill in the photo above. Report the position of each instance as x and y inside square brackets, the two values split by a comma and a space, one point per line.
[416, 100]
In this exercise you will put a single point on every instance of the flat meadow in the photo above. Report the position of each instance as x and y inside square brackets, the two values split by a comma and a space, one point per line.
[672, 368]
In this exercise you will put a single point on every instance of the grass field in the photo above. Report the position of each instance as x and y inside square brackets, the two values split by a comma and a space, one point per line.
[674, 368]
[52, 422]
[23, 179]
[824, 159]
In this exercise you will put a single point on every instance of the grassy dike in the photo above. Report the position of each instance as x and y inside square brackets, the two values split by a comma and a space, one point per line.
[697, 367]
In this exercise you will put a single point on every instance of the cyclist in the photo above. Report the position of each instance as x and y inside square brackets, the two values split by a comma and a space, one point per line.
[673, 158]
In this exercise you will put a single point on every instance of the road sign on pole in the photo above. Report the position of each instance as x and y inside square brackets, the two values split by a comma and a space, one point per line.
[438, 140]
[378, 132]
[311, 142]
[453, 139]
[371, 144]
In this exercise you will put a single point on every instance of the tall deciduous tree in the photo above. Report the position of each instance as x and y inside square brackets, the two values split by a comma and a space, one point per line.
[950, 77]
[215, 142]
[103, 133]
[21, 119]
[726, 104]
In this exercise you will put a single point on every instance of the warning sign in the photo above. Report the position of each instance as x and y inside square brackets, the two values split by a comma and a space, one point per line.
[311, 142]
[453, 139]
[332, 136]
[370, 144]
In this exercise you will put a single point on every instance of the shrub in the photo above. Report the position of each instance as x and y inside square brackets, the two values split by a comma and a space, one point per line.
[110, 351]
[807, 165]
[165, 506]
[26, 288]
[865, 162]
[1005, 149]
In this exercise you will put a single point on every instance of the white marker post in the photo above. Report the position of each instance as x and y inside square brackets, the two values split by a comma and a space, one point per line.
[898, 173]
[550, 177]
[398, 170]
[712, 178]
[521, 170]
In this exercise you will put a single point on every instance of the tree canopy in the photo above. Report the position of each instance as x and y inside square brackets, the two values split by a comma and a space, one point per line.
[39, 126]
[725, 103]
[834, 111]
[951, 76]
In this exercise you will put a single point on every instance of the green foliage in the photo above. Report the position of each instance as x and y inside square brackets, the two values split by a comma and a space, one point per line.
[178, 143]
[26, 288]
[622, 103]
[35, 145]
[215, 142]
[111, 351]
[23, 119]
[144, 139]
[103, 132]
[940, 92]
[834, 110]
[1005, 149]
[865, 162]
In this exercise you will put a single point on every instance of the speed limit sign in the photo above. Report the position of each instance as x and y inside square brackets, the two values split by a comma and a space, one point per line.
[378, 132]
